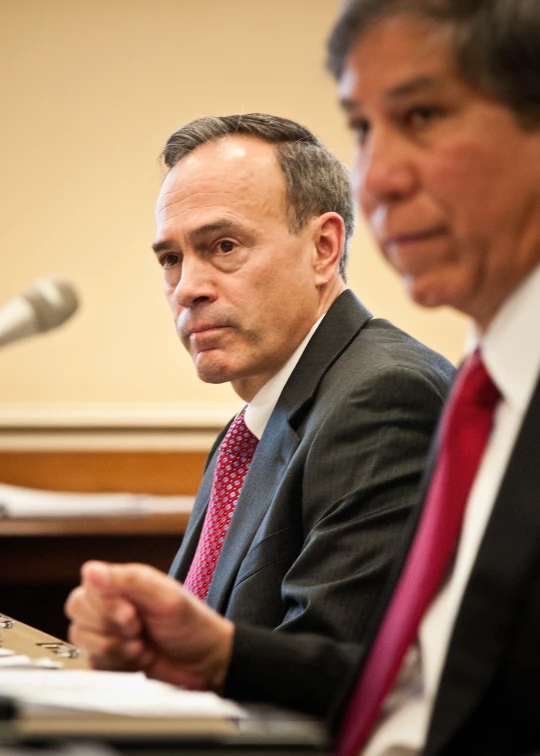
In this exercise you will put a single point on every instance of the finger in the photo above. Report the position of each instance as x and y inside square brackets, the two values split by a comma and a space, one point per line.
[102, 615]
[106, 601]
[110, 652]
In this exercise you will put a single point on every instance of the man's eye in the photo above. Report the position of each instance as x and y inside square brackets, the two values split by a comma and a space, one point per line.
[168, 261]
[360, 126]
[422, 116]
[226, 246]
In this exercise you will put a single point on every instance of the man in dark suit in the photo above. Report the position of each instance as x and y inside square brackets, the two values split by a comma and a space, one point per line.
[253, 223]
[330, 486]
[444, 98]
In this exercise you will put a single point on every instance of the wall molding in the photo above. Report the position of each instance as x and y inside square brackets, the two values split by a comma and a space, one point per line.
[174, 416]
[135, 427]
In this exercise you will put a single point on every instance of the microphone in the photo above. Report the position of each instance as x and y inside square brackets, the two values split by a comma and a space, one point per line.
[44, 305]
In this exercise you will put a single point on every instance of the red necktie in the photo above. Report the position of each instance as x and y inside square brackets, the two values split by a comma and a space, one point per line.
[465, 429]
[235, 455]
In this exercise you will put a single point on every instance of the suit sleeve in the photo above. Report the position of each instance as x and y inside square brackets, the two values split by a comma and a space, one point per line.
[303, 672]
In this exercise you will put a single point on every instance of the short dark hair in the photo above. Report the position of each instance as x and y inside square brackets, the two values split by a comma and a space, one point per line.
[316, 181]
[495, 43]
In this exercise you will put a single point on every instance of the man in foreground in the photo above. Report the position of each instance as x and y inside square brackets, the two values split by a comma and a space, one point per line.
[306, 494]
[444, 98]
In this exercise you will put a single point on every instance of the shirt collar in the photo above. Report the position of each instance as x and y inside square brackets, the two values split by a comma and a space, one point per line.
[511, 345]
[258, 411]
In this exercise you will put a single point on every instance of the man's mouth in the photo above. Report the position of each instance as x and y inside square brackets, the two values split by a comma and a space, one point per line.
[203, 329]
[409, 238]
[206, 336]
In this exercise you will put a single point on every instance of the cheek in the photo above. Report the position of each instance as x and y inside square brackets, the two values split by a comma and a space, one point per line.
[460, 180]
[169, 294]
[175, 308]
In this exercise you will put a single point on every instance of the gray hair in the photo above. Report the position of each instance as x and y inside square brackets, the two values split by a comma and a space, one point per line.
[316, 181]
[495, 43]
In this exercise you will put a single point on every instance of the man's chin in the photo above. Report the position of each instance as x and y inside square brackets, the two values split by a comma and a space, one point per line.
[212, 371]
[426, 291]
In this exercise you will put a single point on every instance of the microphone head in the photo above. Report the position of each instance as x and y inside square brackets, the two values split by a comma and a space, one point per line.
[53, 300]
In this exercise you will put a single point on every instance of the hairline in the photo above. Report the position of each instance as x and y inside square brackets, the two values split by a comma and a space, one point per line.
[294, 227]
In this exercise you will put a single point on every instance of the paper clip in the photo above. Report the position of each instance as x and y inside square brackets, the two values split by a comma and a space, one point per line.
[61, 649]
[6, 622]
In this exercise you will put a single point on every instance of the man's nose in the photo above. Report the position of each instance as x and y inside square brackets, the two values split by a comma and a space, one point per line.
[196, 283]
[384, 170]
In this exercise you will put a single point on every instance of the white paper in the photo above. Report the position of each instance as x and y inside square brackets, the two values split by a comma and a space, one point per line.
[21, 661]
[29, 502]
[123, 693]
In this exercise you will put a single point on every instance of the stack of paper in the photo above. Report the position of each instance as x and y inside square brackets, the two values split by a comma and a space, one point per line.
[122, 693]
[12, 660]
[29, 502]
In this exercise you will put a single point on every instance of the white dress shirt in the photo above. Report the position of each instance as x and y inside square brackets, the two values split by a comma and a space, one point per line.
[511, 354]
[258, 411]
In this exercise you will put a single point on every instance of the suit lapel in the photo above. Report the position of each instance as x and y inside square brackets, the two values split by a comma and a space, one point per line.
[280, 440]
[497, 589]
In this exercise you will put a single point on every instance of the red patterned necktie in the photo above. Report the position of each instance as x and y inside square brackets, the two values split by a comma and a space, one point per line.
[235, 455]
[466, 426]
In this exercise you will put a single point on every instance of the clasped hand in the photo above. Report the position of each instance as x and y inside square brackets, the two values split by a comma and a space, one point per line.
[133, 617]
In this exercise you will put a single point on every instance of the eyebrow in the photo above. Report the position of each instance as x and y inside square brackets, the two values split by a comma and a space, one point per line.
[162, 246]
[414, 86]
[400, 91]
[197, 236]
[220, 226]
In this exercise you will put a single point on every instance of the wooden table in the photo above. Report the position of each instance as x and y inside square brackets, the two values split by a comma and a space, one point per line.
[22, 639]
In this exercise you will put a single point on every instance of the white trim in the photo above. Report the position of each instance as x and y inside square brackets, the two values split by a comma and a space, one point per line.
[106, 441]
[178, 417]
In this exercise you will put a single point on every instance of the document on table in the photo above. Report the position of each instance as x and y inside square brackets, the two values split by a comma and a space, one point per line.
[11, 659]
[121, 693]
[29, 502]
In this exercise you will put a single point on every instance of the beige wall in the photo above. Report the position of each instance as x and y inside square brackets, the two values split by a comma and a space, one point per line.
[89, 91]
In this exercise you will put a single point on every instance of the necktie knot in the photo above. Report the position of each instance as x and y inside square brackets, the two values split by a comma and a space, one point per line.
[475, 386]
[239, 441]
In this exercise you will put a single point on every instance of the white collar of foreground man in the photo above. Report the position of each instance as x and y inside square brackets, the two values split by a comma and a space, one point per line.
[511, 345]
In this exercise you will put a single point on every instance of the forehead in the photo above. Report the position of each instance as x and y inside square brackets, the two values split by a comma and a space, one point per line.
[235, 175]
[394, 58]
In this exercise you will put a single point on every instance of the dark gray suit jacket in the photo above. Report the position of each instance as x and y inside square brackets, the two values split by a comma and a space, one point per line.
[331, 483]
[488, 701]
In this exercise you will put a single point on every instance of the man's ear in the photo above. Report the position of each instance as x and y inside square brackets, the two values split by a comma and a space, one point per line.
[329, 238]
